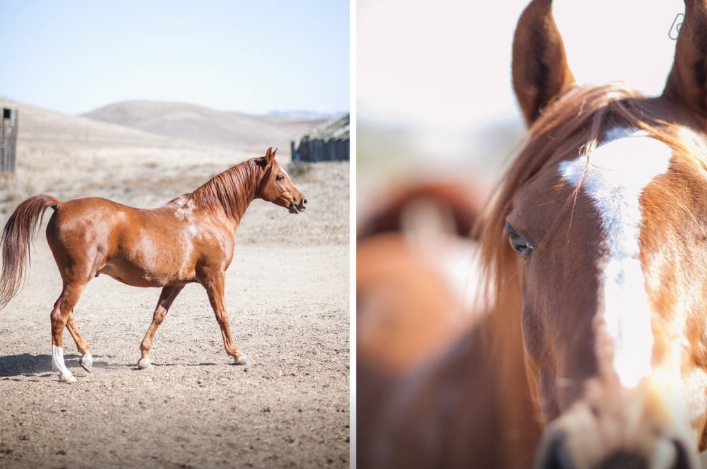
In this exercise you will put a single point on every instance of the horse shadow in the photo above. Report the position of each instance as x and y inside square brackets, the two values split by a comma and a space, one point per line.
[26, 364]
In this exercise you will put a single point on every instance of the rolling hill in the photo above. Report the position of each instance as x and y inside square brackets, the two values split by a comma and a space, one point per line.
[204, 126]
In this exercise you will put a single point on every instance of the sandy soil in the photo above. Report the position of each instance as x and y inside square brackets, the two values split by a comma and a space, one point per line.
[287, 294]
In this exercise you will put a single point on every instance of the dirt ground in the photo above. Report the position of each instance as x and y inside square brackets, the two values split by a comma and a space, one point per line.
[288, 297]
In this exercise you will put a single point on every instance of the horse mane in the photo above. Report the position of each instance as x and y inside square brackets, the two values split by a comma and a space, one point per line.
[573, 124]
[231, 191]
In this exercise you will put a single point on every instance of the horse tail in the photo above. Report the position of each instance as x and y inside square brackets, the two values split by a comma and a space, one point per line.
[16, 240]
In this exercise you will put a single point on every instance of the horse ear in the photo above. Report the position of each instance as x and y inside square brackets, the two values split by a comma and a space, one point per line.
[687, 81]
[540, 70]
[269, 155]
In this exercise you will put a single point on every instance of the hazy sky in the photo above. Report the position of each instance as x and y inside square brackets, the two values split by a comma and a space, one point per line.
[446, 64]
[254, 56]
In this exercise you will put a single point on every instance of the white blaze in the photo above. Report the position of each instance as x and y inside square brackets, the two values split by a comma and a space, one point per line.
[617, 172]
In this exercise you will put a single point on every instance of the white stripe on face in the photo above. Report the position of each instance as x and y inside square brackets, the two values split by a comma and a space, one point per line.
[616, 174]
[285, 173]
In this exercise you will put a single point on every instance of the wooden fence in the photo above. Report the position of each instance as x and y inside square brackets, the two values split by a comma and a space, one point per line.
[327, 143]
[321, 150]
[8, 140]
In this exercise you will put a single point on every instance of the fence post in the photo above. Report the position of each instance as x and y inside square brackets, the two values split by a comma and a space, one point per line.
[8, 140]
[293, 152]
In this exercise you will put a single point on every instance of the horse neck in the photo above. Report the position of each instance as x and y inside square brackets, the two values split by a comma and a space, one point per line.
[229, 193]
[242, 205]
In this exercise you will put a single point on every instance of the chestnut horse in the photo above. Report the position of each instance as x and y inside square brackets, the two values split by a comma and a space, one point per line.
[414, 286]
[593, 353]
[412, 272]
[189, 239]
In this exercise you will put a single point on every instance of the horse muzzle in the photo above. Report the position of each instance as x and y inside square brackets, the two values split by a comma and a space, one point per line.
[556, 452]
[297, 207]
[626, 431]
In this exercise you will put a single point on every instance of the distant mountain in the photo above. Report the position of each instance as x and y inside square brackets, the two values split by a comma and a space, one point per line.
[201, 125]
[50, 143]
[300, 114]
[42, 125]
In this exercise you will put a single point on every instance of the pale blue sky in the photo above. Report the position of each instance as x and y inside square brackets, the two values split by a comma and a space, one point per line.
[251, 56]
[443, 68]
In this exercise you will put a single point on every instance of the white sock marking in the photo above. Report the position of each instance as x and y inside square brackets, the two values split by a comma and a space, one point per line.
[618, 171]
[58, 362]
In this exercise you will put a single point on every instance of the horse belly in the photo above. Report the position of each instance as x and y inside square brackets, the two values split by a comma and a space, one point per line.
[133, 275]
[151, 261]
[150, 266]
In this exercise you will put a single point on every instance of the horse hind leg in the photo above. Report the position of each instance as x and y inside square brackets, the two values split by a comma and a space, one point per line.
[167, 296]
[59, 318]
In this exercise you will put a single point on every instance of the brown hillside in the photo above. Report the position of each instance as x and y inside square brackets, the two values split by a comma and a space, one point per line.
[201, 125]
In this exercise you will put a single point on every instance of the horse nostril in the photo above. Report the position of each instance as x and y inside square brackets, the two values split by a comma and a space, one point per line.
[682, 456]
[555, 454]
[304, 202]
[625, 460]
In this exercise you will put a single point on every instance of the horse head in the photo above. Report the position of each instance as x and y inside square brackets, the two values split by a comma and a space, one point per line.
[276, 186]
[599, 239]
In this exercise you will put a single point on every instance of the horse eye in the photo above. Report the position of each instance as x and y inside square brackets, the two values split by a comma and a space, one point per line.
[520, 244]
[280, 177]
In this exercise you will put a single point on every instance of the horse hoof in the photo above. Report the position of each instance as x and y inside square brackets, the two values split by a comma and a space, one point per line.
[243, 361]
[86, 362]
[70, 379]
[144, 364]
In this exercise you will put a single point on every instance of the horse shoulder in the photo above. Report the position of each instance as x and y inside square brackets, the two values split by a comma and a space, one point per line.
[211, 237]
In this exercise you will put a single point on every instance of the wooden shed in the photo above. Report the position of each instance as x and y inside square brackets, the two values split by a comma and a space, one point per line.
[328, 142]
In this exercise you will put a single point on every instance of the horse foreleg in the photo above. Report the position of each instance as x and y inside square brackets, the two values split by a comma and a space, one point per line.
[86, 360]
[163, 304]
[59, 317]
[215, 290]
